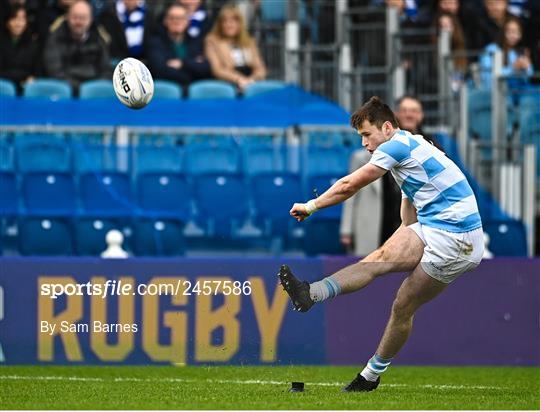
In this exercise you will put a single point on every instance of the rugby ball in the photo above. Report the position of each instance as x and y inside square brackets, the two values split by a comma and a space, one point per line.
[133, 83]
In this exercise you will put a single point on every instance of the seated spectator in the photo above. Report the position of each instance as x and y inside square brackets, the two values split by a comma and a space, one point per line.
[516, 58]
[483, 23]
[75, 51]
[52, 17]
[19, 53]
[232, 52]
[449, 22]
[128, 23]
[33, 9]
[199, 19]
[175, 55]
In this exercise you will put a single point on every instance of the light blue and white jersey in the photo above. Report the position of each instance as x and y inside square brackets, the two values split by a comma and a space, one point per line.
[433, 183]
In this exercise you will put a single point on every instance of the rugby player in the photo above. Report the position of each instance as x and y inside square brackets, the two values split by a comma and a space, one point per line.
[440, 237]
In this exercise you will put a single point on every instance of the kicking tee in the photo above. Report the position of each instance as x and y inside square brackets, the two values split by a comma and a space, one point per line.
[438, 189]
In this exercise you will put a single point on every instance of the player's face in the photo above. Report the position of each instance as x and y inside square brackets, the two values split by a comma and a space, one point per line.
[372, 137]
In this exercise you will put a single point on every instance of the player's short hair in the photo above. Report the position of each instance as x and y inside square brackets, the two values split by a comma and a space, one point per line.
[374, 111]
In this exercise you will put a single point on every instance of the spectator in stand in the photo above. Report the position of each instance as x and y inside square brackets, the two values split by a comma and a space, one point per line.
[199, 19]
[32, 7]
[19, 52]
[175, 55]
[52, 17]
[516, 57]
[128, 23]
[449, 22]
[483, 23]
[232, 52]
[76, 51]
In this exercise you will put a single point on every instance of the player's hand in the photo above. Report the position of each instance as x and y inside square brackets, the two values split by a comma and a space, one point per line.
[299, 212]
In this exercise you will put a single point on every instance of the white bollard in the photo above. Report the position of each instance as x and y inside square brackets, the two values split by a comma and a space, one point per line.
[114, 249]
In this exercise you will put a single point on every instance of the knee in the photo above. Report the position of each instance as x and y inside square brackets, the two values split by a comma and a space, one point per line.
[402, 308]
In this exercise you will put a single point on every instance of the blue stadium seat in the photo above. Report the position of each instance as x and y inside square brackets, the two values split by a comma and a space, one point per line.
[161, 237]
[8, 194]
[7, 159]
[327, 139]
[222, 202]
[106, 194]
[322, 229]
[159, 159]
[264, 86]
[201, 159]
[7, 88]
[36, 156]
[44, 236]
[263, 159]
[325, 161]
[90, 235]
[273, 195]
[480, 113]
[275, 11]
[507, 237]
[322, 237]
[211, 89]
[48, 88]
[97, 89]
[164, 89]
[99, 157]
[164, 195]
[211, 140]
[317, 185]
[49, 194]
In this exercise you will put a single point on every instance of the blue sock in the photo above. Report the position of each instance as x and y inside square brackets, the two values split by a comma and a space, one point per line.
[324, 289]
[375, 366]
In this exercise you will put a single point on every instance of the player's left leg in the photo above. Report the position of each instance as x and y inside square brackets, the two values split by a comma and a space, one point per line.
[416, 289]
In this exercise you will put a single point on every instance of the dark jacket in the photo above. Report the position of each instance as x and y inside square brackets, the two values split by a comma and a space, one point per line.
[118, 46]
[19, 60]
[161, 49]
[76, 62]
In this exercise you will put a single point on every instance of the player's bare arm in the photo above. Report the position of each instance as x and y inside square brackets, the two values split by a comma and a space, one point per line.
[340, 191]
[407, 212]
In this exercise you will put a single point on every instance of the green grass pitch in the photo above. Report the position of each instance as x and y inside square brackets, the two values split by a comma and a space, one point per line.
[264, 387]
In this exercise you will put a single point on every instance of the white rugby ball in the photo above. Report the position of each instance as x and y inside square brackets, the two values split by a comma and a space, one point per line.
[133, 83]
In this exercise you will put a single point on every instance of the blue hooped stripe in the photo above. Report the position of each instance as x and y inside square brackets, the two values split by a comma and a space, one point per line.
[397, 150]
[432, 167]
[410, 186]
[471, 222]
[446, 198]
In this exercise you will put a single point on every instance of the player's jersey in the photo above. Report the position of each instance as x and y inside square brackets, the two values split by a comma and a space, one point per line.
[433, 183]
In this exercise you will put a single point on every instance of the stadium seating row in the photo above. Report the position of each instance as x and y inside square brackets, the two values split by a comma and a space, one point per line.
[205, 89]
[37, 155]
[525, 116]
[52, 205]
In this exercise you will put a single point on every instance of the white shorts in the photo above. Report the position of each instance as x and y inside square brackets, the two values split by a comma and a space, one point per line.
[448, 255]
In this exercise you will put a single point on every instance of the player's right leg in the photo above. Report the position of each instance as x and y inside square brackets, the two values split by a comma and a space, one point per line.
[400, 253]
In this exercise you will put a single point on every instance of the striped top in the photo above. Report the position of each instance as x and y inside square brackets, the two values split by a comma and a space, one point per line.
[438, 189]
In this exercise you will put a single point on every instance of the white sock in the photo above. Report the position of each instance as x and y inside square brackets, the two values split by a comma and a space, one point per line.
[324, 289]
[375, 366]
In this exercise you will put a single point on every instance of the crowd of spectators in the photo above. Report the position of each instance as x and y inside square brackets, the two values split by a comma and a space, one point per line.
[178, 39]
[182, 41]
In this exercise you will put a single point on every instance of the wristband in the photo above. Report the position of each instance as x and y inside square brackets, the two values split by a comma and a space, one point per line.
[311, 207]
